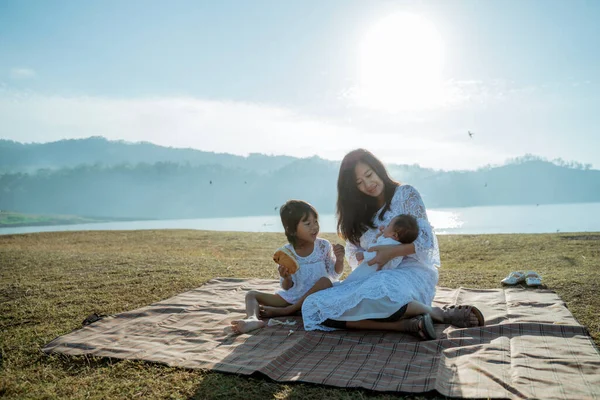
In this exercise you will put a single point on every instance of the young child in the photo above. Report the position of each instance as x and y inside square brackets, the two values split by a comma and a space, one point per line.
[401, 229]
[319, 263]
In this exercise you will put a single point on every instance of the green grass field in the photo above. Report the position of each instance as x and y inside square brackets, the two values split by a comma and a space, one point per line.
[50, 282]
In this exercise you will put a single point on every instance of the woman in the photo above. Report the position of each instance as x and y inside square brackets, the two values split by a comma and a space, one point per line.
[398, 299]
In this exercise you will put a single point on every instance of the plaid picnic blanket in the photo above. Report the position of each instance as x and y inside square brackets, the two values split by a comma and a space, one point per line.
[531, 347]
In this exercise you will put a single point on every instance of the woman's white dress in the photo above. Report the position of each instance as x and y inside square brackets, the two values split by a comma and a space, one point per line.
[385, 292]
[320, 263]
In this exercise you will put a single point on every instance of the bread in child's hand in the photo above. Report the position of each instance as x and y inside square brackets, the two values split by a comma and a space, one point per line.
[285, 257]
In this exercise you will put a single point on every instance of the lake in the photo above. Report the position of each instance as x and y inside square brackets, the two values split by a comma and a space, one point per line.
[579, 217]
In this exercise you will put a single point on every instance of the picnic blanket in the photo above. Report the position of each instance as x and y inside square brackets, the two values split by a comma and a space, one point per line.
[531, 347]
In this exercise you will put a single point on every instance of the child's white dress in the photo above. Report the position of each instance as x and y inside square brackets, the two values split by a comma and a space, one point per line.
[320, 263]
[365, 270]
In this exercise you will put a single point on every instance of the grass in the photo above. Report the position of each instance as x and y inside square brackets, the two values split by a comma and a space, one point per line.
[49, 282]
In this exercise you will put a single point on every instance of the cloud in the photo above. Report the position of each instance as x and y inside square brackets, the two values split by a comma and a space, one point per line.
[439, 141]
[22, 73]
[415, 98]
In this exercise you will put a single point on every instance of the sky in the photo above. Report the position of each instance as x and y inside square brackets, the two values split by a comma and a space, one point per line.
[407, 80]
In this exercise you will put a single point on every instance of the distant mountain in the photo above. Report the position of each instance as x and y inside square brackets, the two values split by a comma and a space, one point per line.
[99, 178]
[533, 181]
[19, 157]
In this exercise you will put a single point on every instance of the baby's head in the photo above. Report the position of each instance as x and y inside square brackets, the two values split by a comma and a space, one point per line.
[403, 228]
[300, 221]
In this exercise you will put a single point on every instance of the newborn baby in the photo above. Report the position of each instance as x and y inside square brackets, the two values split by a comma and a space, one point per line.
[401, 229]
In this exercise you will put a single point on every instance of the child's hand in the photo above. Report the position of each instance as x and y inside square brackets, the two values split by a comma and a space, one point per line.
[360, 256]
[283, 272]
[339, 251]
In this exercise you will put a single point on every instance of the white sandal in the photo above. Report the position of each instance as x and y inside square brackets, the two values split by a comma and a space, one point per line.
[532, 278]
[514, 277]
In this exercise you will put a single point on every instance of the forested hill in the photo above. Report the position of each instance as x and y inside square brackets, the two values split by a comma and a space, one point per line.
[20, 157]
[97, 177]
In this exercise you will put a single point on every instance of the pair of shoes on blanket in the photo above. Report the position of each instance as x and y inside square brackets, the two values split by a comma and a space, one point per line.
[531, 278]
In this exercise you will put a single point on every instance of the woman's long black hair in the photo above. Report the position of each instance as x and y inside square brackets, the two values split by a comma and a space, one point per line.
[355, 210]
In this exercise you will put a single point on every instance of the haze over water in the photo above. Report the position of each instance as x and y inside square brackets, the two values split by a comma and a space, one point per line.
[582, 217]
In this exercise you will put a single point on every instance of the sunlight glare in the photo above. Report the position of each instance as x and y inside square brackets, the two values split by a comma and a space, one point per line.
[400, 64]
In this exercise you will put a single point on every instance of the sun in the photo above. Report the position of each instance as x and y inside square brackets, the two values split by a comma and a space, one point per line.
[400, 64]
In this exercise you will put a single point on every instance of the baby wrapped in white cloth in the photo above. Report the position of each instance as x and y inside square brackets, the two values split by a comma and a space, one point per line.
[402, 229]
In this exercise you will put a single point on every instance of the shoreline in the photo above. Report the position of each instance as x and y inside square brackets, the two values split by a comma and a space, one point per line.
[576, 235]
[58, 223]
[467, 221]
[56, 220]
[54, 223]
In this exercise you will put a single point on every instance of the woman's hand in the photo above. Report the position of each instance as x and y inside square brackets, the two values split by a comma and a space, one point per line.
[386, 253]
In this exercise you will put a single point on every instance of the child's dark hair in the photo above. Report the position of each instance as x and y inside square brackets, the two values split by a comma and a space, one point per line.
[406, 227]
[292, 212]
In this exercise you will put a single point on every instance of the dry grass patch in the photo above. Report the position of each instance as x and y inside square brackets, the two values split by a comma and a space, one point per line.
[49, 282]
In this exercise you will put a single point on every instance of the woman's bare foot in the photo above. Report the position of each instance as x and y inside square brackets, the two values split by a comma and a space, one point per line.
[270, 312]
[246, 325]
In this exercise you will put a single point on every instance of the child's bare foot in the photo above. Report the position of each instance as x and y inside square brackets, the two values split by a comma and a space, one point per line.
[270, 312]
[246, 325]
